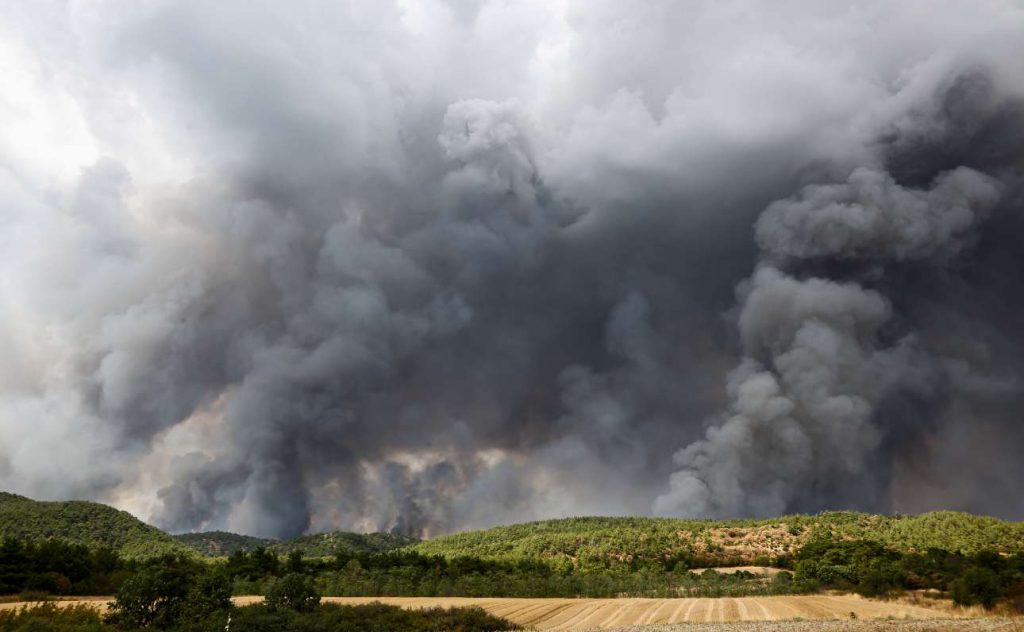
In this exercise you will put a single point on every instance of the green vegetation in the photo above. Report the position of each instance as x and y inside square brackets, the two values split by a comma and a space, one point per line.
[78, 522]
[87, 548]
[369, 617]
[328, 544]
[179, 594]
[406, 573]
[873, 570]
[55, 567]
[294, 591]
[50, 618]
[262, 618]
[596, 542]
[221, 543]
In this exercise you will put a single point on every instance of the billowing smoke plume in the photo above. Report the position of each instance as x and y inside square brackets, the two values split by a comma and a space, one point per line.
[804, 417]
[427, 266]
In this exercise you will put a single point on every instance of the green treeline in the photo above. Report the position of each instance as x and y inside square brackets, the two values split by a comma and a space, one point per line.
[263, 618]
[57, 568]
[411, 574]
[180, 594]
[724, 542]
[868, 568]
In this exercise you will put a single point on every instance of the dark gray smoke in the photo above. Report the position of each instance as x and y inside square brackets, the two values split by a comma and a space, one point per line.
[428, 266]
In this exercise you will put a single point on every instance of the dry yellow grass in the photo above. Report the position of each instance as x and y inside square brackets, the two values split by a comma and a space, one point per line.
[585, 614]
[591, 614]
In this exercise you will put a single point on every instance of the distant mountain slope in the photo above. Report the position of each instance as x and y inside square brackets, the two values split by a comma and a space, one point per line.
[601, 540]
[221, 543]
[326, 544]
[88, 523]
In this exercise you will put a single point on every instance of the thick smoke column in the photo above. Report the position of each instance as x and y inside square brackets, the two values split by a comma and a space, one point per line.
[436, 265]
[804, 422]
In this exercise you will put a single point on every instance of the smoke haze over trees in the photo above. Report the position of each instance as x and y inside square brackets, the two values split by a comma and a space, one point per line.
[427, 266]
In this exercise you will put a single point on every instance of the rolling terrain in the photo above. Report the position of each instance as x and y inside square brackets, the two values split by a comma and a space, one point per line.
[724, 542]
[223, 543]
[578, 540]
[79, 522]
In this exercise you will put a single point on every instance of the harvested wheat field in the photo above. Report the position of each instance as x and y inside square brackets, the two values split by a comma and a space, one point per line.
[593, 614]
[584, 614]
[878, 625]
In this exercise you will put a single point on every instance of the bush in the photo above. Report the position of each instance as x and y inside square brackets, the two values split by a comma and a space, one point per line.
[977, 585]
[293, 592]
[372, 617]
[48, 617]
[166, 596]
[153, 597]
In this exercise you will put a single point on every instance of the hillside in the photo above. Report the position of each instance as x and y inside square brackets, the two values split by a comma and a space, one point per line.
[327, 544]
[81, 522]
[595, 541]
[221, 543]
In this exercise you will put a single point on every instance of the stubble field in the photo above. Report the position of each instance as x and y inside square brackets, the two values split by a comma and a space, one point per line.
[587, 614]
[817, 613]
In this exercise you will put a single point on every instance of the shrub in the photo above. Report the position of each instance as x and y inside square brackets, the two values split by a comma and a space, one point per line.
[365, 618]
[977, 585]
[293, 592]
[48, 617]
[163, 597]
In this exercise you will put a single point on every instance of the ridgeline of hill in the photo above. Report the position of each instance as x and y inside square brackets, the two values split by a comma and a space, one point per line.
[327, 544]
[595, 541]
[579, 541]
[79, 522]
[223, 543]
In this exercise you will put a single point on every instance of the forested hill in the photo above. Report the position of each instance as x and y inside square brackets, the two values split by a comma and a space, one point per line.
[222, 543]
[579, 541]
[718, 542]
[79, 522]
[327, 544]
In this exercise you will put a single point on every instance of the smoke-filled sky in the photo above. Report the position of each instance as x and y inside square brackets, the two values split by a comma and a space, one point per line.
[432, 265]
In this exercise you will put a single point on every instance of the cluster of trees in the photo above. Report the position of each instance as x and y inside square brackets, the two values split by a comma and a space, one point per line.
[662, 542]
[864, 566]
[92, 524]
[180, 599]
[407, 573]
[984, 577]
[55, 567]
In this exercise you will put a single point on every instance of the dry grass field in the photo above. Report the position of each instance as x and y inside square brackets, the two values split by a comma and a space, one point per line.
[988, 624]
[820, 613]
[585, 614]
